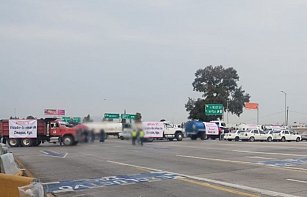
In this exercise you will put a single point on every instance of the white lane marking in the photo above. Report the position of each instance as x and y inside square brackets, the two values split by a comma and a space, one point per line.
[237, 186]
[245, 162]
[256, 157]
[268, 153]
[214, 159]
[294, 180]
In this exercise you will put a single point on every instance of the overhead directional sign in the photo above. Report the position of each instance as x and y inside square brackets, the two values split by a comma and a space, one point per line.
[214, 109]
[71, 119]
[111, 116]
[128, 116]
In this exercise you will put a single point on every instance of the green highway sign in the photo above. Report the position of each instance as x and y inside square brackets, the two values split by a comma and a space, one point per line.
[66, 119]
[72, 119]
[76, 119]
[128, 116]
[214, 109]
[111, 116]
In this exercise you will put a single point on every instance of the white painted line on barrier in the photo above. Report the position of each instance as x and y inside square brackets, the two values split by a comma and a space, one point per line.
[294, 180]
[237, 186]
[268, 153]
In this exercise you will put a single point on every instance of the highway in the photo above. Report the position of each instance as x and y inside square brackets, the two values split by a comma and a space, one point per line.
[173, 169]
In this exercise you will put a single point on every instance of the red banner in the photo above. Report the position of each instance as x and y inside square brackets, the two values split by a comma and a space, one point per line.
[251, 105]
[54, 112]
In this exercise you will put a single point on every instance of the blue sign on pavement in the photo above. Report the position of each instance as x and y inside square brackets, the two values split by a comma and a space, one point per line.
[73, 185]
[53, 154]
[285, 162]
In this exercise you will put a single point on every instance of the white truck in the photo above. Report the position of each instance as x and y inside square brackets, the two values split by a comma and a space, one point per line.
[162, 130]
[110, 128]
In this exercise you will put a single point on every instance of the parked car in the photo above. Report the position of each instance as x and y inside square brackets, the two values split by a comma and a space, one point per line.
[304, 136]
[255, 135]
[233, 135]
[286, 135]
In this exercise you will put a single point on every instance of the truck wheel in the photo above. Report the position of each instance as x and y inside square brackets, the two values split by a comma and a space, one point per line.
[298, 139]
[269, 139]
[237, 138]
[203, 136]
[13, 142]
[283, 139]
[37, 143]
[193, 137]
[68, 140]
[251, 139]
[179, 136]
[26, 142]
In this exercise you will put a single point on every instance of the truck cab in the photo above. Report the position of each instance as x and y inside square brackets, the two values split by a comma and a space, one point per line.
[172, 132]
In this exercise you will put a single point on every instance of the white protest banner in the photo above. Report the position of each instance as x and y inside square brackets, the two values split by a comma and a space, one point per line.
[23, 128]
[211, 128]
[153, 129]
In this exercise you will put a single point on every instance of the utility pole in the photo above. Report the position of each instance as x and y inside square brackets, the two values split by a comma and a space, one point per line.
[286, 122]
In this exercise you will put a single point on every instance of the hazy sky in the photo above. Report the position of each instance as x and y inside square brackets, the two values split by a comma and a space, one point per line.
[97, 56]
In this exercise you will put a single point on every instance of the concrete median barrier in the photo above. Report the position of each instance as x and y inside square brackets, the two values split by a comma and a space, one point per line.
[8, 165]
[9, 184]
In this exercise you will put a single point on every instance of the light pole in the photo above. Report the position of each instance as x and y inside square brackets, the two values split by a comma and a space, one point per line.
[286, 122]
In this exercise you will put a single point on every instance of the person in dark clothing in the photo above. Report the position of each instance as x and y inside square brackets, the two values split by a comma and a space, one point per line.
[102, 136]
[92, 136]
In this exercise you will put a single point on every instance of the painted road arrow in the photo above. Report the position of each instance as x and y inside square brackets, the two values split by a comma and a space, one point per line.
[54, 154]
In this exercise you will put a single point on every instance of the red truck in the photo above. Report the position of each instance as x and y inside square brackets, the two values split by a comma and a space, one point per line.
[30, 132]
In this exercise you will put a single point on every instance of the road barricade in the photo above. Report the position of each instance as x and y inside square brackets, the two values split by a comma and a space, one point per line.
[9, 184]
[8, 165]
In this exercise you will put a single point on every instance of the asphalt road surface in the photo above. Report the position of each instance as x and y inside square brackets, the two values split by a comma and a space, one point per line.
[173, 169]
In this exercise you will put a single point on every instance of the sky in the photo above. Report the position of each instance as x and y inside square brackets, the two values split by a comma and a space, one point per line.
[107, 56]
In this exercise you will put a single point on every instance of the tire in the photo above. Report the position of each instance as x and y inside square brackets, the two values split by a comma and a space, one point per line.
[252, 139]
[68, 140]
[237, 138]
[179, 136]
[26, 142]
[121, 137]
[13, 142]
[269, 139]
[193, 137]
[37, 143]
[298, 139]
[283, 139]
[203, 136]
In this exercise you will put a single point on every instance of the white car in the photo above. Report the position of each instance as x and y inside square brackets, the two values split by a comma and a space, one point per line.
[286, 135]
[233, 135]
[255, 135]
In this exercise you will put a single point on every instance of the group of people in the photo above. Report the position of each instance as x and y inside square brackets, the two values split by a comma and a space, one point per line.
[137, 135]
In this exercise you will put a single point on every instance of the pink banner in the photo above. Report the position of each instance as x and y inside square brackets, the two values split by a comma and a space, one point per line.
[55, 112]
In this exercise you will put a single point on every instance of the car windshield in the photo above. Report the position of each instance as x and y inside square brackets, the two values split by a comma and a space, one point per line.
[276, 131]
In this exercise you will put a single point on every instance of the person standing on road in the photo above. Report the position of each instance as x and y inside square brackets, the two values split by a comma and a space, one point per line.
[92, 136]
[101, 136]
[142, 134]
[133, 136]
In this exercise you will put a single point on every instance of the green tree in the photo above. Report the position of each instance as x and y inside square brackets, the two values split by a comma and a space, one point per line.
[138, 117]
[87, 119]
[219, 86]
